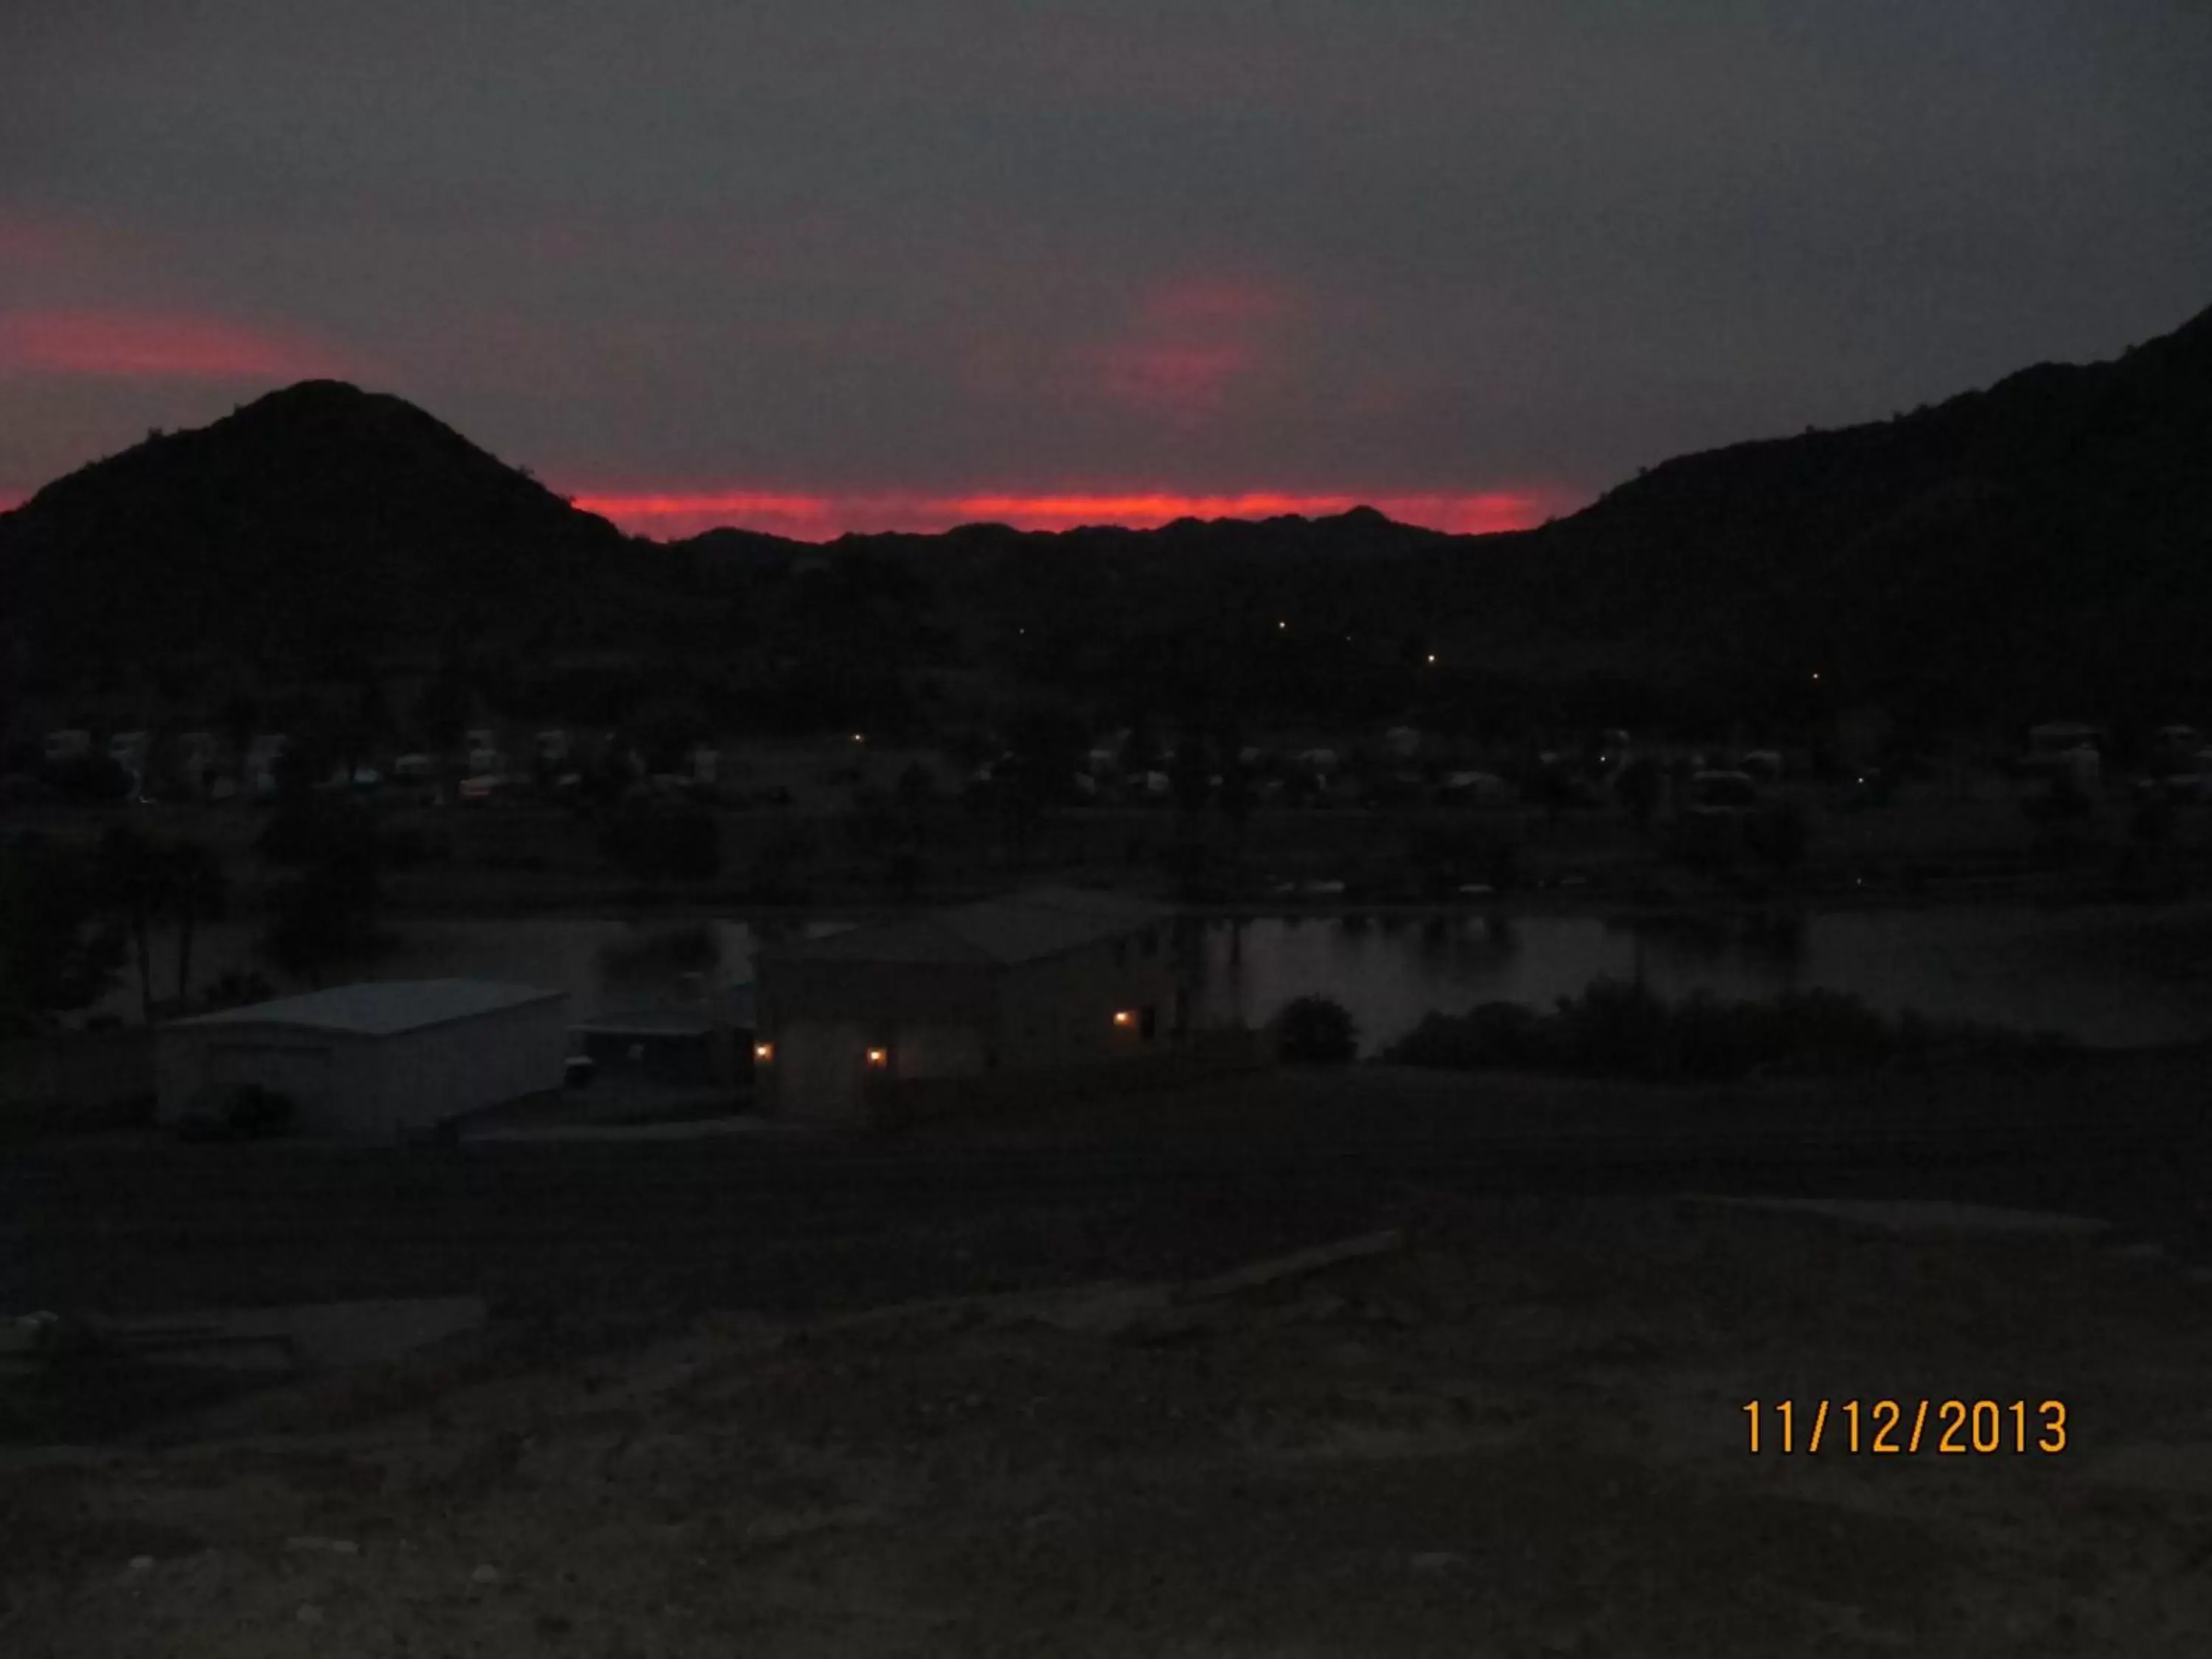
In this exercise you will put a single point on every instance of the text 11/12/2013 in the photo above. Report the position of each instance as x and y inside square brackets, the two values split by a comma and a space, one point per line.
[1951, 1428]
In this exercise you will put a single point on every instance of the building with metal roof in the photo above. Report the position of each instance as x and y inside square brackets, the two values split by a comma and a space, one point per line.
[1043, 980]
[375, 1059]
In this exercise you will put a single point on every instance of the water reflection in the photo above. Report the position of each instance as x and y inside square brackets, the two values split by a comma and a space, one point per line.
[2008, 968]
[1775, 940]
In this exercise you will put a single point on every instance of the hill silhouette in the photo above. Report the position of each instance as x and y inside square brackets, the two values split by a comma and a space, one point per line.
[2040, 545]
[320, 519]
[2042, 542]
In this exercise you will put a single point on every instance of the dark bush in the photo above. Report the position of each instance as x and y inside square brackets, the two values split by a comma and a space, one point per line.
[1618, 1029]
[1316, 1030]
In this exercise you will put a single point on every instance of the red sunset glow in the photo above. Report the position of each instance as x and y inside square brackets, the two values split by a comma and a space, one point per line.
[672, 515]
[153, 346]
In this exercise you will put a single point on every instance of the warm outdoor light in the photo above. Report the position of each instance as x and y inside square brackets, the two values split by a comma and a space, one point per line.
[858, 738]
[763, 1051]
[878, 1056]
[1123, 1017]
[1432, 656]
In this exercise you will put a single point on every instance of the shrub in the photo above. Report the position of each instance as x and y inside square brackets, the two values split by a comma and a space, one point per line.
[1617, 1030]
[1316, 1030]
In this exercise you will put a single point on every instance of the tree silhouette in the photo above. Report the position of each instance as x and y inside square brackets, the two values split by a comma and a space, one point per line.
[59, 950]
[198, 891]
[134, 879]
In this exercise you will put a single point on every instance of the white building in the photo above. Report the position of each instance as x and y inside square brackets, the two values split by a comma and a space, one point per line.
[370, 1060]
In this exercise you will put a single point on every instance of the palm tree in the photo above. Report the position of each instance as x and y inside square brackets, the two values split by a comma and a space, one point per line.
[134, 884]
[199, 890]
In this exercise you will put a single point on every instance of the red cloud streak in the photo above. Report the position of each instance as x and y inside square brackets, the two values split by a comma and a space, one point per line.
[824, 517]
[141, 345]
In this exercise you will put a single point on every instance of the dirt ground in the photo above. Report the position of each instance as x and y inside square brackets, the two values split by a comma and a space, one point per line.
[1521, 1432]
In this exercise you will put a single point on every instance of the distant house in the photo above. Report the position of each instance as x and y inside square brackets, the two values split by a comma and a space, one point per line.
[2073, 749]
[2059, 736]
[1762, 765]
[372, 1060]
[1476, 789]
[1043, 980]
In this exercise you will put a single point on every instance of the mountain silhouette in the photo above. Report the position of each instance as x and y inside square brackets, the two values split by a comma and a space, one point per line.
[2044, 544]
[318, 518]
[2044, 540]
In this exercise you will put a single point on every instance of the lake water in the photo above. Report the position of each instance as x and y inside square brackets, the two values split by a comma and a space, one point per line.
[2104, 974]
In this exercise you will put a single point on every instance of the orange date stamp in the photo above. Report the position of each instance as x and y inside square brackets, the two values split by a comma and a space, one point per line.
[1885, 1428]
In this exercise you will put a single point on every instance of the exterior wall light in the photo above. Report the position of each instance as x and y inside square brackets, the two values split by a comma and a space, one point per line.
[1122, 1017]
[879, 1057]
[763, 1051]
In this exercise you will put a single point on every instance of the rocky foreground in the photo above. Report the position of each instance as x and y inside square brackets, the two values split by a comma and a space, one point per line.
[1487, 1426]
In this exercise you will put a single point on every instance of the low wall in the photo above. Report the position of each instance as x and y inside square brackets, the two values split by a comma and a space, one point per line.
[895, 1103]
[75, 1081]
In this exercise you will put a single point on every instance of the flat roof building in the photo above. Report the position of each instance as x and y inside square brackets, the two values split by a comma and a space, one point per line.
[373, 1059]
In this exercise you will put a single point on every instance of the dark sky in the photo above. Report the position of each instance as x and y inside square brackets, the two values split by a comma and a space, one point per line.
[871, 263]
